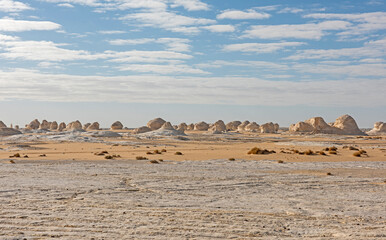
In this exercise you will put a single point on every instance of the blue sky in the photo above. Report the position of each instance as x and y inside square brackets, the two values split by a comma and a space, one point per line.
[280, 61]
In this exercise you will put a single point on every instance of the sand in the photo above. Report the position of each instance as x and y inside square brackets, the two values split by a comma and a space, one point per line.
[64, 191]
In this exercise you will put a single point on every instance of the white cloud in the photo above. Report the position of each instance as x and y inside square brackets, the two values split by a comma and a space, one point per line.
[13, 6]
[260, 47]
[108, 32]
[172, 44]
[147, 56]
[66, 5]
[291, 10]
[242, 15]
[366, 22]
[12, 25]
[162, 69]
[241, 63]
[169, 21]
[303, 31]
[370, 49]
[190, 90]
[220, 28]
[190, 5]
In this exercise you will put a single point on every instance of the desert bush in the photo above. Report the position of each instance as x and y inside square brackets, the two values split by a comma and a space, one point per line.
[157, 152]
[328, 174]
[332, 152]
[108, 157]
[333, 148]
[353, 148]
[322, 153]
[309, 152]
[11, 161]
[149, 153]
[140, 158]
[362, 151]
[154, 161]
[178, 153]
[280, 161]
[163, 150]
[357, 154]
[231, 159]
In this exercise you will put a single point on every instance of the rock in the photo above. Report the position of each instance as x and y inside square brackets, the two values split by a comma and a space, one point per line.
[320, 126]
[167, 126]
[5, 131]
[252, 127]
[142, 129]
[215, 130]
[182, 127]
[62, 126]
[241, 127]
[301, 127]
[268, 128]
[276, 127]
[105, 134]
[379, 128]
[116, 126]
[232, 126]
[85, 126]
[220, 126]
[17, 127]
[44, 125]
[155, 123]
[54, 126]
[74, 126]
[348, 125]
[35, 124]
[93, 126]
[190, 127]
[2, 125]
[201, 126]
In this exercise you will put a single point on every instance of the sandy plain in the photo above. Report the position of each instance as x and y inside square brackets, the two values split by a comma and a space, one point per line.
[64, 191]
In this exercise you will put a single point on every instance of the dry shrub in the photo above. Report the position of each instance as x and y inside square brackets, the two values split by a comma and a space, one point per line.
[328, 174]
[140, 158]
[309, 152]
[280, 161]
[333, 148]
[105, 152]
[157, 152]
[163, 150]
[178, 153]
[257, 150]
[322, 153]
[332, 152]
[363, 151]
[232, 159]
[108, 157]
[149, 153]
[357, 154]
[353, 148]
[11, 161]
[154, 162]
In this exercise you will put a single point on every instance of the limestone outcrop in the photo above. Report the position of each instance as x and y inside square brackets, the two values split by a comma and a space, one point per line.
[269, 127]
[116, 126]
[232, 126]
[93, 126]
[2, 125]
[44, 125]
[252, 127]
[201, 126]
[241, 127]
[62, 126]
[53, 126]
[190, 127]
[167, 126]
[86, 125]
[35, 124]
[348, 125]
[5, 132]
[155, 123]
[74, 126]
[182, 127]
[142, 129]
[379, 129]
[219, 126]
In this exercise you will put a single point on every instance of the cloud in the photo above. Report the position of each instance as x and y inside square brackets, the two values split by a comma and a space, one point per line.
[260, 47]
[241, 63]
[13, 6]
[314, 31]
[146, 56]
[12, 25]
[169, 21]
[291, 10]
[162, 69]
[66, 5]
[189, 90]
[220, 28]
[371, 49]
[190, 5]
[242, 15]
[108, 32]
[172, 44]
[365, 22]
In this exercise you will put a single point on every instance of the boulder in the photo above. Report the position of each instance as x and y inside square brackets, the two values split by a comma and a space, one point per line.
[142, 129]
[62, 126]
[201, 126]
[252, 127]
[182, 127]
[116, 126]
[4, 132]
[232, 126]
[220, 126]
[74, 126]
[85, 126]
[155, 123]
[93, 126]
[35, 124]
[379, 128]
[44, 125]
[53, 126]
[348, 125]
[2, 125]
[241, 127]
[268, 128]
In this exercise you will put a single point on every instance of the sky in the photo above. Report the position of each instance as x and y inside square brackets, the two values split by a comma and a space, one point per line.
[192, 60]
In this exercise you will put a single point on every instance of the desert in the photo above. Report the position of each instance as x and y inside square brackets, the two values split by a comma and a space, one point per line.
[172, 183]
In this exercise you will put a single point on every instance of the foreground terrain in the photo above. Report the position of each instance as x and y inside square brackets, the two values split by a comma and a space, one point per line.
[63, 190]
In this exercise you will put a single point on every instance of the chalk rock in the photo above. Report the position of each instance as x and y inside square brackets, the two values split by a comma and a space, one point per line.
[155, 123]
[241, 127]
[348, 125]
[93, 126]
[35, 124]
[182, 127]
[252, 127]
[301, 127]
[2, 125]
[142, 129]
[44, 125]
[268, 128]
[5, 131]
[379, 128]
[167, 126]
[201, 126]
[62, 126]
[232, 126]
[17, 127]
[116, 126]
[190, 127]
[53, 126]
[86, 125]
[76, 125]
[220, 126]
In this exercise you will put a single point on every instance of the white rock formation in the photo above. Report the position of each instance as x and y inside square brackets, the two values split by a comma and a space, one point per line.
[252, 127]
[86, 125]
[62, 126]
[182, 127]
[35, 124]
[201, 126]
[142, 129]
[44, 125]
[155, 123]
[116, 126]
[190, 127]
[93, 126]
[2, 125]
[53, 126]
[348, 125]
[232, 126]
[241, 127]
[269, 127]
[219, 126]
[5, 131]
[379, 129]
[74, 126]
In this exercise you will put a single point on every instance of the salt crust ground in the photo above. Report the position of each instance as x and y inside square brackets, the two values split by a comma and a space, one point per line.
[217, 199]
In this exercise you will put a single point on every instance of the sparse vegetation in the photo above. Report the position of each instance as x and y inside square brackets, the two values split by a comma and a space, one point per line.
[332, 152]
[154, 161]
[353, 148]
[257, 150]
[328, 174]
[309, 152]
[16, 155]
[149, 153]
[357, 154]
[280, 161]
[231, 159]
[163, 150]
[11, 161]
[42, 155]
[178, 153]
[108, 157]
[141, 158]
[322, 153]
[363, 151]
[157, 152]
